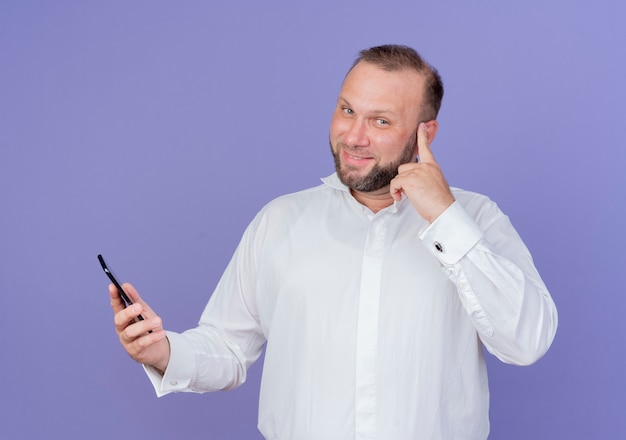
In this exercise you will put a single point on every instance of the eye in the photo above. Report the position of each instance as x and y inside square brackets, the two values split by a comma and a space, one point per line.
[348, 111]
[382, 122]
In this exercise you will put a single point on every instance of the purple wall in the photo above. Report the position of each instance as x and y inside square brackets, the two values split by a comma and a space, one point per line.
[152, 132]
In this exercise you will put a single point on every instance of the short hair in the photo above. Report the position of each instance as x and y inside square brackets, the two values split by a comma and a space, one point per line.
[394, 57]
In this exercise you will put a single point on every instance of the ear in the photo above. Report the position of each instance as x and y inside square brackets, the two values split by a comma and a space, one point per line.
[431, 129]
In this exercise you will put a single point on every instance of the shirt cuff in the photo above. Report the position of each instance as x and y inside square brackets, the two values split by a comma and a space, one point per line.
[451, 236]
[179, 372]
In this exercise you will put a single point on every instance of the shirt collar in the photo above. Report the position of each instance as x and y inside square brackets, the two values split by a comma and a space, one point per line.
[334, 182]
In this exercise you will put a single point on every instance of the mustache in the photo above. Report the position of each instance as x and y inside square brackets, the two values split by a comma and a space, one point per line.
[356, 150]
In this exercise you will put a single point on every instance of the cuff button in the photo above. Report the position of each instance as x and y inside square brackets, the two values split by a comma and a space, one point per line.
[438, 246]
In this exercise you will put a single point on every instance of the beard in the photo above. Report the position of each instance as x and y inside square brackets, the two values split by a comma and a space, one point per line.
[379, 176]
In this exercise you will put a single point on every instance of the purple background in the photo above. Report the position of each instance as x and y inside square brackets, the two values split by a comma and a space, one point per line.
[152, 132]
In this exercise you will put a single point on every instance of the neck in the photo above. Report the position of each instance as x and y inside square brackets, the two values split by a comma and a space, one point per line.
[376, 200]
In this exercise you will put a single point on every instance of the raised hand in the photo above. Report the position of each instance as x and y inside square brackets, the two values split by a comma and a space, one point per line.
[423, 182]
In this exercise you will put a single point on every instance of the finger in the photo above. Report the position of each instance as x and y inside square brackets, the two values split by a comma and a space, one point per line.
[141, 328]
[116, 301]
[395, 189]
[396, 186]
[142, 348]
[127, 316]
[136, 298]
[406, 168]
[423, 148]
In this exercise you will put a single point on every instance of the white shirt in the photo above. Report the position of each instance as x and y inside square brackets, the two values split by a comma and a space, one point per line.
[374, 322]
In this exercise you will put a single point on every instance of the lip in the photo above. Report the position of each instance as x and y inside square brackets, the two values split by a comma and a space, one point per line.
[355, 159]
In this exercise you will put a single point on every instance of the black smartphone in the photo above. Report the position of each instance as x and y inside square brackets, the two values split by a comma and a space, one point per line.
[121, 292]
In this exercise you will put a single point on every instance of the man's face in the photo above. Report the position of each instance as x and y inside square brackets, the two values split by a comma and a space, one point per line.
[374, 128]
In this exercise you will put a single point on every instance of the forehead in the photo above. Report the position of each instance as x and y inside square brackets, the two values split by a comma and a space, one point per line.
[371, 86]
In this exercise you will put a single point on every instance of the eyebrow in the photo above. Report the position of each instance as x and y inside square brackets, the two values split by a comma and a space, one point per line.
[342, 100]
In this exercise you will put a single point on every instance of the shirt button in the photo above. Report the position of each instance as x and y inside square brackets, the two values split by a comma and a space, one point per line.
[438, 246]
[174, 383]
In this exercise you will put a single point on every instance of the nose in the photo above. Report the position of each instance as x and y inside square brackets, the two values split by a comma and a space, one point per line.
[356, 133]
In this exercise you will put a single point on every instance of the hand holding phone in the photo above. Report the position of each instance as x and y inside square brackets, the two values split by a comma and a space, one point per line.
[154, 348]
[118, 286]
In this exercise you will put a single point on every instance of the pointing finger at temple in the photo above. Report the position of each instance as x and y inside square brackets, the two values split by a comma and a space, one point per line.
[423, 145]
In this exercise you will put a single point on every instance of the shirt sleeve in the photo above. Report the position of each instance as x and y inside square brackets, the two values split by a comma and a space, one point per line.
[496, 279]
[179, 370]
[217, 353]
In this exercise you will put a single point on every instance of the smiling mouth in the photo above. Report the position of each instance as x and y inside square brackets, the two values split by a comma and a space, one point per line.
[356, 157]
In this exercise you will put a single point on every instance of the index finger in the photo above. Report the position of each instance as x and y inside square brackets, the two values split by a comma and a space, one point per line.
[423, 148]
[136, 298]
[118, 304]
